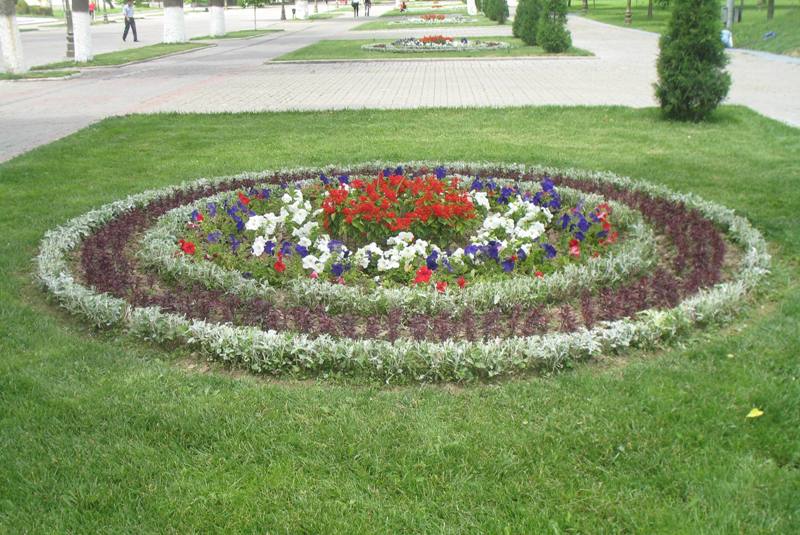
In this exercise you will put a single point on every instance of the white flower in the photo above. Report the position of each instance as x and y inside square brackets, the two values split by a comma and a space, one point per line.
[255, 222]
[299, 216]
[313, 263]
[305, 242]
[286, 199]
[258, 245]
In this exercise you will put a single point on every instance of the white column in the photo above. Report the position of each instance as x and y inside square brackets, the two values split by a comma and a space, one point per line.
[82, 30]
[301, 9]
[174, 25]
[472, 9]
[217, 20]
[11, 45]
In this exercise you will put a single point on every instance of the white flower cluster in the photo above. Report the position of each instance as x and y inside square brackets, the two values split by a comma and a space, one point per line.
[404, 360]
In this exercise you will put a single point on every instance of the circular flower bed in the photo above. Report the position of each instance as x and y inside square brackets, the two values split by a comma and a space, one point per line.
[432, 43]
[146, 265]
[435, 18]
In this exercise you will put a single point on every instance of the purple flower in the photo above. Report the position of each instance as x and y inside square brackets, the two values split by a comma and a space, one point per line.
[549, 250]
[301, 250]
[325, 180]
[212, 209]
[548, 185]
[195, 215]
[269, 247]
[471, 249]
[337, 270]
[399, 170]
[431, 260]
[508, 265]
[580, 236]
[286, 248]
[344, 179]
[491, 185]
[234, 243]
[476, 185]
[265, 193]
[565, 219]
[334, 245]
[441, 172]
[521, 254]
[555, 201]
[583, 224]
[493, 250]
[214, 236]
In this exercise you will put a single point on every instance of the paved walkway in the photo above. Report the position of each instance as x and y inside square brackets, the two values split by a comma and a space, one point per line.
[233, 76]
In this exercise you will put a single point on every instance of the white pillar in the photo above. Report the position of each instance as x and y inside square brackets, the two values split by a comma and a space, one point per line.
[397, 3]
[472, 9]
[174, 25]
[82, 30]
[217, 20]
[11, 44]
[301, 9]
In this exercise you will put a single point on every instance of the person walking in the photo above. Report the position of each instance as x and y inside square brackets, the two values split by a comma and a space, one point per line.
[367, 5]
[355, 8]
[130, 23]
[92, 7]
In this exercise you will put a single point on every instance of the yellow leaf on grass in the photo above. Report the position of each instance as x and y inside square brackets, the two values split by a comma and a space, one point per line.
[755, 413]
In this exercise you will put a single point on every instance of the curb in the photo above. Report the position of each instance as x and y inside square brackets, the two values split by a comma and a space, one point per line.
[388, 60]
[170, 54]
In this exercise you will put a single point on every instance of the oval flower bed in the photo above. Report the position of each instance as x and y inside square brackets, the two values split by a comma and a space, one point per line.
[433, 43]
[435, 18]
[708, 260]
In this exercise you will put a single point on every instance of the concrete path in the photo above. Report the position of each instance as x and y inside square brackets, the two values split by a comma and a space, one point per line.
[236, 76]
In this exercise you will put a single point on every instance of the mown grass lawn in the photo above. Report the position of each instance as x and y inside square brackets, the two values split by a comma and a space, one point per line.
[239, 34]
[121, 57]
[351, 49]
[101, 433]
[35, 75]
[749, 33]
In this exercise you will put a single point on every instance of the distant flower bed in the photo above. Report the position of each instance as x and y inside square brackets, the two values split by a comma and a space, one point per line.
[435, 18]
[409, 273]
[435, 43]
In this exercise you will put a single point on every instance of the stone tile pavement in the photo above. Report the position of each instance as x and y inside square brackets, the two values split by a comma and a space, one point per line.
[236, 76]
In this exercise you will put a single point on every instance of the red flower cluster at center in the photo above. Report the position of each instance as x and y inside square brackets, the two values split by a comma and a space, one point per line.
[436, 39]
[385, 205]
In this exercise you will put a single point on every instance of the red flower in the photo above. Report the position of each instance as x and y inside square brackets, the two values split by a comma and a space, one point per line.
[574, 248]
[539, 274]
[187, 246]
[199, 217]
[423, 275]
[441, 286]
[279, 266]
[244, 198]
[314, 275]
[461, 282]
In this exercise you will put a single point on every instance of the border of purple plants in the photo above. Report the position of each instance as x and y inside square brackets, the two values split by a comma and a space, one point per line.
[401, 360]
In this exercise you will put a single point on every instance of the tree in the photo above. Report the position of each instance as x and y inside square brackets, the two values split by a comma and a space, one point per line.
[10, 42]
[487, 6]
[526, 20]
[552, 33]
[500, 11]
[217, 16]
[691, 65]
[82, 30]
[174, 24]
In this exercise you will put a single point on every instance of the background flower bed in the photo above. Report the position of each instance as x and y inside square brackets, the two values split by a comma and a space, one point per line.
[105, 433]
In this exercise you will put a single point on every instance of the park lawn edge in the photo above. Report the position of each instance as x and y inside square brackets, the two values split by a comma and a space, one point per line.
[121, 58]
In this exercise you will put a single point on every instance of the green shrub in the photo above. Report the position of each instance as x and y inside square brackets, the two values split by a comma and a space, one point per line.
[552, 33]
[691, 66]
[22, 7]
[526, 20]
[496, 10]
[488, 8]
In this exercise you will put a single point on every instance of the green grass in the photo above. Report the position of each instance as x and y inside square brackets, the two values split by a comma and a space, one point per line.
[351, 49]
[330, 14]
[121, 57]
[386, 25]
[36, 75]
[104, 434]
[747, 34]
[240, 34]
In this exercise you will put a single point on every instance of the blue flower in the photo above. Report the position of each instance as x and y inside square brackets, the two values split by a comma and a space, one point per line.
[549, 250]
[337, 270]
[212, 209]
[239, 223]
[344, 179]
[286, 248]
[399, 170]
[521, 254]
[301, 250]
[565, 219]
[537, 199]
[325, 180]
[491, 185]
[234, 243]
[583, 224]
[232, 210]
[214, 236]
[269, 247]
[431, 260]
[441, 172]
[195, 215]
[548, 185]
[580, 236]
[602, 234]
[334, 244]
[493, 250]
[555, 201]
[387, 172]
[446, 264]
[265, 193]
[508, 265]
[476, 185]
[471, 249]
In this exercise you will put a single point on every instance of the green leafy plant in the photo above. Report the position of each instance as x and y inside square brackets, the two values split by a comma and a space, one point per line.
[526, 20]
[552, 33]
[691, 66]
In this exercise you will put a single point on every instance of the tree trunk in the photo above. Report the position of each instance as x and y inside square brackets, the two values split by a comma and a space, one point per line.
[650, 9]
[82, 30]
[10, 42]
[217, 12]
[174, 25]
[729, 14]
[770, 9]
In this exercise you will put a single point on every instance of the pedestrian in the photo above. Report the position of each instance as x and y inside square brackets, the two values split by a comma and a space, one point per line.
[355, 8]
[130, 23]
[91, 9]
[367, 5]
[403, 7]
